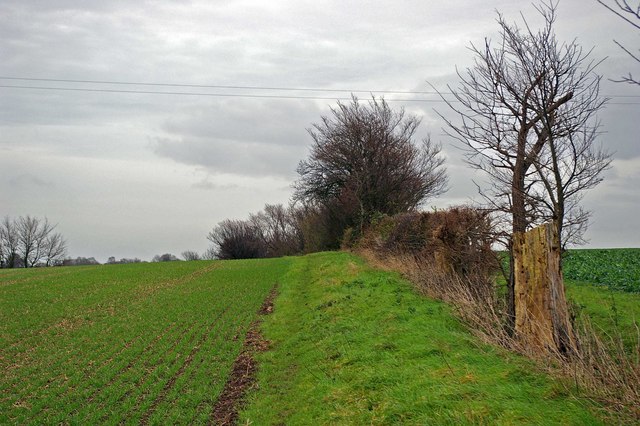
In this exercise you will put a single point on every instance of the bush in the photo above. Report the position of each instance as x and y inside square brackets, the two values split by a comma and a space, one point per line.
[237, 239]
[456, 241]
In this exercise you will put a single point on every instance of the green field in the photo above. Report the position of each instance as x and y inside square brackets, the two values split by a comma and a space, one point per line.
[618, 269]
[154, 343]
[142, 342]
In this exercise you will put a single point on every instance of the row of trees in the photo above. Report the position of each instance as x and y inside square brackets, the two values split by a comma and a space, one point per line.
[273, 232]
[29, 241]
[364, 163]
[167, 257]
[80, 261]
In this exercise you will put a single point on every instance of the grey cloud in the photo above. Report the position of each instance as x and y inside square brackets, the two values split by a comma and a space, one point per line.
[615, 206]
[207, 185]
[620, 126]
[232, 156]
[273, 122]
[28, 180]
[305, 43]
[246, 137]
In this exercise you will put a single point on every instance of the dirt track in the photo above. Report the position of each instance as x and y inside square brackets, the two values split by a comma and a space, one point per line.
[243, 373]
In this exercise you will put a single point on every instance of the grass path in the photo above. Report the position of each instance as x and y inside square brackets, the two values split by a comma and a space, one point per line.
[351, 345]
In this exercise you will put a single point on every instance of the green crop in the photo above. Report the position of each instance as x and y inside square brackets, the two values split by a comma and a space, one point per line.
[142, 342]
[618, 269]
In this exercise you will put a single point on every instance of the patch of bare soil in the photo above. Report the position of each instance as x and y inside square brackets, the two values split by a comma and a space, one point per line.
[243, 373]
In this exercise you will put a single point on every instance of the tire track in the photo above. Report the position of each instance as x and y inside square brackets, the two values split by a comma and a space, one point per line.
[243, 372]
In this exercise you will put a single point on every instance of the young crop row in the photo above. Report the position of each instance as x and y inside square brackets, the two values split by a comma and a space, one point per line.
[134, 343]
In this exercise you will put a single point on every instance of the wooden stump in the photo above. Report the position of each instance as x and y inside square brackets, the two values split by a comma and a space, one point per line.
[542, 318]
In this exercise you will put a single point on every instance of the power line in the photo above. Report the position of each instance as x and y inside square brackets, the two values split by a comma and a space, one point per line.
[239, 87]
[233, 95]
[217, 86]
[229, 95]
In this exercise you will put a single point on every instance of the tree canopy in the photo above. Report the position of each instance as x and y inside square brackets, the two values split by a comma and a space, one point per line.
[364, 161]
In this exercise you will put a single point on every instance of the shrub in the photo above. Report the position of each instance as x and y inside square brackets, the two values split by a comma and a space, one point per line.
[457, 240]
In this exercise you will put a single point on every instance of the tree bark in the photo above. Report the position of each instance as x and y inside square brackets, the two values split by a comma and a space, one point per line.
[542, 317]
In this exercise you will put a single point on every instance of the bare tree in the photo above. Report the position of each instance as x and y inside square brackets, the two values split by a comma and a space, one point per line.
[29, 234]
[32, 237]
[54, 249]
[278, 229]
[527, 119]
[210, 253]
[190, 255]
[237, 239]
[364, 161]
[630, 14]
[9, 257]
[29, 241]
[167, 257]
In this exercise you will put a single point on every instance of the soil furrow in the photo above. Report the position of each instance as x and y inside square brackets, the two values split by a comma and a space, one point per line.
[243, 372]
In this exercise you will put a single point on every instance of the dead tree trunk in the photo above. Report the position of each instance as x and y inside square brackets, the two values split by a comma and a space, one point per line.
[542, 317]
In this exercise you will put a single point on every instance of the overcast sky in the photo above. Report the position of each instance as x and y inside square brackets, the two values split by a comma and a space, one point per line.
[139, 174]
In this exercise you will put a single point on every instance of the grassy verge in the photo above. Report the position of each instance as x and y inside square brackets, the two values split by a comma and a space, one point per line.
[352, 345]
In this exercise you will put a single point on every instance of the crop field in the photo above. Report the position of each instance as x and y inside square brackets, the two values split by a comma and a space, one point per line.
[604, 286]
[142, 343]
[618, 269]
